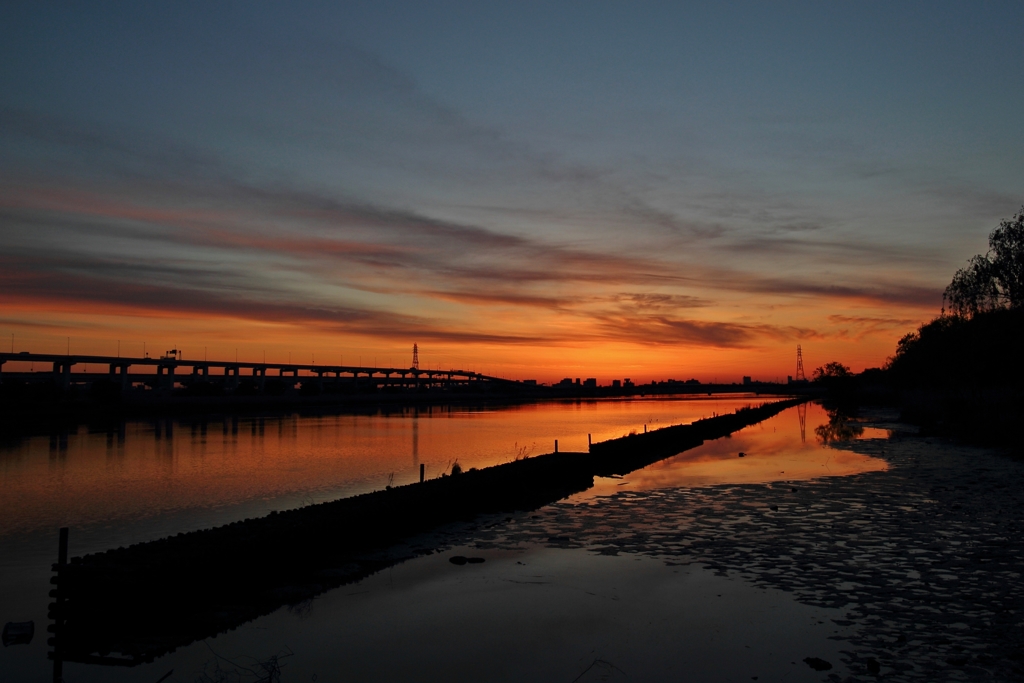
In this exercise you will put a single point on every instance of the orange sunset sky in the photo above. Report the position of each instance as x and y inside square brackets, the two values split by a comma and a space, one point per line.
[528, 191]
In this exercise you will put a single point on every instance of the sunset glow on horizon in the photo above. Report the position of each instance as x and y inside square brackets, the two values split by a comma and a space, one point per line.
[529, 192]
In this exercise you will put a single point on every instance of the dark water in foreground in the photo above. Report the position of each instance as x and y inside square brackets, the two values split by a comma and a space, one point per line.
[528, 614]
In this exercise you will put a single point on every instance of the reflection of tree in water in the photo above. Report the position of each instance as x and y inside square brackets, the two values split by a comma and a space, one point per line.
[838, 428]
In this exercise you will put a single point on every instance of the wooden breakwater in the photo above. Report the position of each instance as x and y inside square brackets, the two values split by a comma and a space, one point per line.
[145, 600]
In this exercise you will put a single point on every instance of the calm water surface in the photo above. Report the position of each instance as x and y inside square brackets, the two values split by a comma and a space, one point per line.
[209, 472]
[153, 478]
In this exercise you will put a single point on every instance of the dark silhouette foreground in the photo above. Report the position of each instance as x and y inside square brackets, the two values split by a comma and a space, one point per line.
[962, 374]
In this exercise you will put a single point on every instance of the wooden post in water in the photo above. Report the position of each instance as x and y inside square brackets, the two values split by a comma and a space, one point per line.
[62, 548]
[421, 473]
[588, 442]
[58, 606]
[556, 445]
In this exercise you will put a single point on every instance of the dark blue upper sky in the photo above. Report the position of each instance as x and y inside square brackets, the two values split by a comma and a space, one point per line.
[764, 172]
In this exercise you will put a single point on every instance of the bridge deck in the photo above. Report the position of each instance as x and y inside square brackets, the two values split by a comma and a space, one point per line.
[166, 368]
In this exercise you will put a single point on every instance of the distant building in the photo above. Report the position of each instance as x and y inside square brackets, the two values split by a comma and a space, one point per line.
[577, 381]
[530, 382]
[616, 384]
[567, 382]
[746, 380]
[627, 382]
[590, 383]
[693, 381]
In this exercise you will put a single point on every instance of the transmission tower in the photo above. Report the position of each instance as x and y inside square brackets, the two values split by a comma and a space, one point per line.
[415, 357]
[800, 376]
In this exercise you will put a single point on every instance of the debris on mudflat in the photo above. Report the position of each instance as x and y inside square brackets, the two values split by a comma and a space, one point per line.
[19, 632]
[817, 663]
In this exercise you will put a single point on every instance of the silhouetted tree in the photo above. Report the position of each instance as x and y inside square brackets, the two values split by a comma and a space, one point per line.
[831, 371]
[962, 351]
[994, 280]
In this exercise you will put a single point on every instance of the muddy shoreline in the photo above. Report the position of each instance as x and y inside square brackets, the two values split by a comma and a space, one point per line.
[924, 558]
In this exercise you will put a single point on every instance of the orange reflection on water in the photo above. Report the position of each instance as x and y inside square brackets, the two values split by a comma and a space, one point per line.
[205, 472]
[782, 448]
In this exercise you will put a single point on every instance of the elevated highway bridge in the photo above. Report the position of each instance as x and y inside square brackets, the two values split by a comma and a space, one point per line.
[169, 372]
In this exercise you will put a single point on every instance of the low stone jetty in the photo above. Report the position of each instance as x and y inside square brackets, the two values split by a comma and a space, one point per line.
[130, 605]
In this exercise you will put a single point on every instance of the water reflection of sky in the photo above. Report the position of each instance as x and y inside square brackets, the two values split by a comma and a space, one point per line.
[782, 448]
[206, 472]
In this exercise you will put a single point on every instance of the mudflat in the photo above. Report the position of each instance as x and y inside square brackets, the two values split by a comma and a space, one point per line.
[923, 558]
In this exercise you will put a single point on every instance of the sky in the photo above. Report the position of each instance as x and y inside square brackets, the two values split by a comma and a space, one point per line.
[532, 190]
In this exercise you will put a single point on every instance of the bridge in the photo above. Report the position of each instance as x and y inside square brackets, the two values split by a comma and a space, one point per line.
[171, 371]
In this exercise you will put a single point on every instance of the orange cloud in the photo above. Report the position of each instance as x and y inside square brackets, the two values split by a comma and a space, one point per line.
[313, 272]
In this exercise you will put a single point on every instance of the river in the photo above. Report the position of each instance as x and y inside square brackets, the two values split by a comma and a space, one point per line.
[147, 479]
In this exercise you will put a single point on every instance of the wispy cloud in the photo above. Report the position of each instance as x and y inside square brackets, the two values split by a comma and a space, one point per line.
[173, 230]
[236, 260]
[662, 330]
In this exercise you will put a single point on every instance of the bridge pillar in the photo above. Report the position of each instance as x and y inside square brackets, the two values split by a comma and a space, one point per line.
[262, 374]
[121, 369]
[2, 369]
[62, 373]
[165, 377]
[231, 376]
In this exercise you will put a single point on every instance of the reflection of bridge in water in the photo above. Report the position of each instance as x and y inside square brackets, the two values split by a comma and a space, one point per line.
[169, 372]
